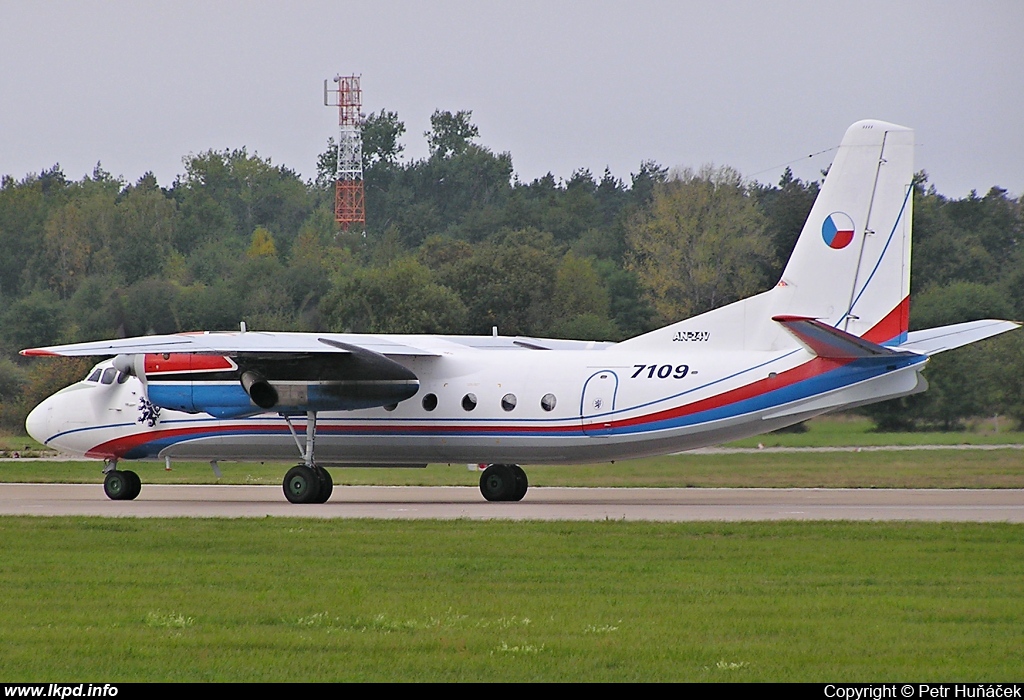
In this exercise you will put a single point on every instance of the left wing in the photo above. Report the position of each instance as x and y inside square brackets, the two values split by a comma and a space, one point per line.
[234, 343]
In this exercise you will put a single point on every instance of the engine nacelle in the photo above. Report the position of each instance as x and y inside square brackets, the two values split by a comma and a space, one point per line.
[227, 387]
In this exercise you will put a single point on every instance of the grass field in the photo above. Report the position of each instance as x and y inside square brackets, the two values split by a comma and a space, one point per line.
[302, 600]
[113, 600]
[857, 431]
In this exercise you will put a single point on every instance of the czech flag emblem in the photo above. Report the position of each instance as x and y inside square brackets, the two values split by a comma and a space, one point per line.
[837, 230]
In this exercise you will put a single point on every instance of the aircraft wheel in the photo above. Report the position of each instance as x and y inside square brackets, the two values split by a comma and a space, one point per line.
[301, 485]
[498, 483]
[522, 483]
[136, 485]
[326, 485]
[118, 485]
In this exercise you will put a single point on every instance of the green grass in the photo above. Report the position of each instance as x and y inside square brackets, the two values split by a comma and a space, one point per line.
[998, 468]
[857, 431]
[115, 600]
[22, 444]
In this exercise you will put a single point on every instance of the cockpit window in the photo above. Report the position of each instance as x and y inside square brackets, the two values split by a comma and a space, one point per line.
[108, 376]
[122, 377]
[95, 376]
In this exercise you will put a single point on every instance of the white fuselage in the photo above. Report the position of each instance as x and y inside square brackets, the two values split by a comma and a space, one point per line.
[497, 405]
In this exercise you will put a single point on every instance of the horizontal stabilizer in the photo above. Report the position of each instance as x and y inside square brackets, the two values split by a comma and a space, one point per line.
[825, 341]
[935, 340]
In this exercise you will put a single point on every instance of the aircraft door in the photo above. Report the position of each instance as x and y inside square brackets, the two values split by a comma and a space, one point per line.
[598, 403]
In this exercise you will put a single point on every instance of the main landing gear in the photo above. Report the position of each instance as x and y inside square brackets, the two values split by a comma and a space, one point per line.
[120, 485]
[504, 482]
[311, 484]
[307, 482]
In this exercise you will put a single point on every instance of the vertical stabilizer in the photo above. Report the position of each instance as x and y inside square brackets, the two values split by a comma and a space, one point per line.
[851, 265]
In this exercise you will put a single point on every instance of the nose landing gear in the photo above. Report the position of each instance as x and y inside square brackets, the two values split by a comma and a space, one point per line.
[121, 485]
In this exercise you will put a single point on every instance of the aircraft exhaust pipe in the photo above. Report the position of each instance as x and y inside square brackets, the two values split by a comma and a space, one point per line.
[259, 390]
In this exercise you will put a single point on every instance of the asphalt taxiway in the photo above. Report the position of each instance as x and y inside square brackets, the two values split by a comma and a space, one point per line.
[542, 503]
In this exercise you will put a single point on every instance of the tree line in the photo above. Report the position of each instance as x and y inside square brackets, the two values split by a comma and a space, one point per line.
[456, 243]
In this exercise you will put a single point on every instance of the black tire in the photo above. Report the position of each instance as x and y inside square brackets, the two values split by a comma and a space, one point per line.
[136, 485]
[301, 485]
[498, 483]
[326, 485]
[522, 483]
[117, 485]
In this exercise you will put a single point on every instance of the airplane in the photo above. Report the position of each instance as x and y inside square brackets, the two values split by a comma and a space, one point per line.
[832, 334]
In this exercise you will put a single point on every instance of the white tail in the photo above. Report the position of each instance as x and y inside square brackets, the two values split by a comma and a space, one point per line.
[850, 268]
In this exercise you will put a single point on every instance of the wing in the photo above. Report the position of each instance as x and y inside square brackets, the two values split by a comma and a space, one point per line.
[233, 344]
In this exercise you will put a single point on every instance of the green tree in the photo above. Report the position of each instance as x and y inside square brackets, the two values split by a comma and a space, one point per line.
[13, 381]
[229, 193]
[786, 207]
[699, 244]
[508, 283]
[450, 134]
[381, 132]
[402, 297]
[34, 320]
[579, 303]
[262, 244]
[66, 249]
[146, 221]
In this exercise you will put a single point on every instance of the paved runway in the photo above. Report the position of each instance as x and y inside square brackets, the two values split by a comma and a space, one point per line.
[552, 503]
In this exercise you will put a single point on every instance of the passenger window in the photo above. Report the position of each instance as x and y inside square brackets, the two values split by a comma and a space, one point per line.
[548, 402]
[391, 407]
[469, 402]
[108, 376]
[508, 402]
[430, 402]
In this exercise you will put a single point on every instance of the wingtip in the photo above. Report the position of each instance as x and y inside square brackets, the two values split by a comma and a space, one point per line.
[37, 352]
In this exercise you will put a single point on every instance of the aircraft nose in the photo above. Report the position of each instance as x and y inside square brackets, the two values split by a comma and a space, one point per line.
[38, 421]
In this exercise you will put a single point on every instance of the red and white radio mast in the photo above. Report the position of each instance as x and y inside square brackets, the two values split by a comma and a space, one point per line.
[349, 196]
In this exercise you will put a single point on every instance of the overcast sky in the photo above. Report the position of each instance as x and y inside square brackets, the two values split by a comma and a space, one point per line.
[560, 85]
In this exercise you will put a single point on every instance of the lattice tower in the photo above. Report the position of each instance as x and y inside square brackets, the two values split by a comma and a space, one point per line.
[349, 195]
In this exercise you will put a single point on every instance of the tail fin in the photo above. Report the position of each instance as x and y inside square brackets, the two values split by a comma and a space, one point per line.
[850, 268]
[851, 265]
